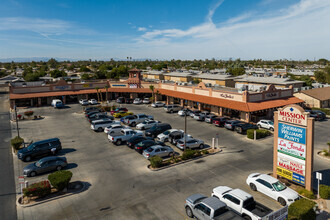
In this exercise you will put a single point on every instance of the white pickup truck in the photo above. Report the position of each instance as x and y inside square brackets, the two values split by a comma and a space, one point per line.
[123, 136]
[243, 203]
[137, 119]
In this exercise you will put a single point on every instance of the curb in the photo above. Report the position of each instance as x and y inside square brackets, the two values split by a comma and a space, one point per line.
[50, 199]
[182, 162]
[318, 154]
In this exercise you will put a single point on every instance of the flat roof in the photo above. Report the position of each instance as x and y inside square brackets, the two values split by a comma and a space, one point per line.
[214, 76]
[271, 79]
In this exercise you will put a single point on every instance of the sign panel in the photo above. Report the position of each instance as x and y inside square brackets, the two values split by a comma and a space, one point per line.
[292, 133]
[292, 115]
[291, 148]
[290, 175]
[62, 87]
[291, 163]
[21, 179]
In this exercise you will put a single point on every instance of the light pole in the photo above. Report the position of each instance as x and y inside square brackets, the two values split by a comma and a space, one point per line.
[185, 129]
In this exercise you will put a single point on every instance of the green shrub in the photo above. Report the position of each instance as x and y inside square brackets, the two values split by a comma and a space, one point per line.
[16, 142]
[205, 151]
[189, 153]
[28, 113]
[39, 189]
[324, 191]
[106, 108]
[307, 193]
[60, 179]
[156, 162]
[260, 133]
[325, 152]
[302, 209]
[113, 107]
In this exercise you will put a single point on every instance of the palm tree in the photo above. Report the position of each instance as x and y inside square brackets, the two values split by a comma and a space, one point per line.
[152, 88]
[97, 92]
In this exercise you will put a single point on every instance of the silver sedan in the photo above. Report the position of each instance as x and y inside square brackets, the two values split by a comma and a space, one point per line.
[158, 150]
[190, 143]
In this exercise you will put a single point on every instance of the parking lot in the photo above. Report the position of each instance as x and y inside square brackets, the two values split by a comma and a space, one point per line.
[120, 184]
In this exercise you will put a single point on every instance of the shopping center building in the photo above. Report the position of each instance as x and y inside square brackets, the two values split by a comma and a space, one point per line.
[223, 101]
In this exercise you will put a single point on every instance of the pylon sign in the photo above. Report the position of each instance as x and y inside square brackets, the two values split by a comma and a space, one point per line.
[293, 145]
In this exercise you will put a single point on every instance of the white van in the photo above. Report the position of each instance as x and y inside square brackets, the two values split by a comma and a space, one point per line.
[100, 125]
[56, 103]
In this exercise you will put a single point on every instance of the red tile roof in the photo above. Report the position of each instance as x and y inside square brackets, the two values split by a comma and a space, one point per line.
[77, 92]
[240, 106]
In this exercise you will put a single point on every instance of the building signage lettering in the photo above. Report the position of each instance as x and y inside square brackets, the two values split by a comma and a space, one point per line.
[87, 85]
[291, 148]
[226, 96]
[62, 87]
[290, 163]
[293, 116]
[118, 85]
[290, 175]
[292, 133]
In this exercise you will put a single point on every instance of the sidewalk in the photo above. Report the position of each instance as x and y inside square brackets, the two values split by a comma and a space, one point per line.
[325, 210]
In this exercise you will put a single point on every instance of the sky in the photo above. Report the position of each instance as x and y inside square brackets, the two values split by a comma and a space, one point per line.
[165, 29]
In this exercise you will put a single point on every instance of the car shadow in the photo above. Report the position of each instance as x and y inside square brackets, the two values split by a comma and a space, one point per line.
[64, 107]
[71, 166]
[65, 151]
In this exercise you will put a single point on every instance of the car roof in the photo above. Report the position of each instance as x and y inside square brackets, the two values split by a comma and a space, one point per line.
[268, 178]
[47, 140]
[102, 119]
[241, 194]
[127, 129]
[50, 158]
[213, 203]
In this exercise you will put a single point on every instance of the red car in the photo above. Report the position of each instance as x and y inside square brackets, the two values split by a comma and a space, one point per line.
[118, 110]
[219, 122]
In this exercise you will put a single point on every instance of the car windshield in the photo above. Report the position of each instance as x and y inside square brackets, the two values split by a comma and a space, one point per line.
[30, 147]
[279, 186]
[144, 122]
[271, 123]
[150, 149]
[166, 132]
[38, 164]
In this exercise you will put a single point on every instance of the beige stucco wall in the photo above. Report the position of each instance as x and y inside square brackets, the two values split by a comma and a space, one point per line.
[309, 101]
[202, 92]
[32, 89]
[209, 81]
[183, 89]
[222, 95]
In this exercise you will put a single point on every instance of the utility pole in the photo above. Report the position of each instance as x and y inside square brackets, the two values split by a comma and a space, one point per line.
[185, 129]
[16, 121]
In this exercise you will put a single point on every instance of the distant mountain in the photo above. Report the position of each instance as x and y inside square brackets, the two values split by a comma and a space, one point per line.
[29, 59]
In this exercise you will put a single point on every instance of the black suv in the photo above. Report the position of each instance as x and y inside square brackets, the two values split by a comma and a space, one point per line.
[157, 129]
[175, 136]
[242, 128]
[39, 149]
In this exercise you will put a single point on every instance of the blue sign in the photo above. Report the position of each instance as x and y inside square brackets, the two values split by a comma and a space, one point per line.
[118, 85]
[298, 178]
[292, 133]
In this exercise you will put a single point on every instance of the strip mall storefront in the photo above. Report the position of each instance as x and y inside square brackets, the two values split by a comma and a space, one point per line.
[246, 106]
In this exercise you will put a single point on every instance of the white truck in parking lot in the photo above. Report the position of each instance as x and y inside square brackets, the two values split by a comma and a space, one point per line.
[124, 135]
[244, 204]
[139, 118]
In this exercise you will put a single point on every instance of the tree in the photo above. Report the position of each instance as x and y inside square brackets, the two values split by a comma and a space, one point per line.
[106, 90]
[97, 93]
[320, 76]
[57, 73]
[52, 63]
[236, 71]
[152, 88]
[84, 69]
[85, 76]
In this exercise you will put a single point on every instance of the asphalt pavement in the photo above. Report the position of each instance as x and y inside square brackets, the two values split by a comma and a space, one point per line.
[7, 182]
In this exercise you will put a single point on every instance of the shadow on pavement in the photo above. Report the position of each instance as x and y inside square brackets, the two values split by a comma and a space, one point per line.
[65, 151]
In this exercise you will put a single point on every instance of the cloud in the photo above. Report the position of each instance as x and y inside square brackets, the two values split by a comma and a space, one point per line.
[212, 9]
[142, 29]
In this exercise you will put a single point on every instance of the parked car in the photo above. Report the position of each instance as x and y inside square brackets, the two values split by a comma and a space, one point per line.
[317, 114]
[125, 135]
[172, 108]
[157, 104]
[242, 128]
[136, 139]
[129, 101]
[158, 150]
[92, 114]
[164, 136]
[122, 114]
[120, 100]
[39, 149]
[200, 207]
[273, 188]
[201, 116]
[115, 126]
[44, 165]
[220, 121]
[92, 102]
[100, 116]
[137, 101]
[146, 101]
[209, 118]
[148, 123]
[267, 124]
[143, 145]
[191, 143]
[184, 112]
[83, 102]
[136, 119]
[128, 117]
[231, 124]
[101, 124]
[157, 129]
[194, 112]
[242, 203]
[177, 135]
[56, 103]
[122, 109]
[92, 109]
